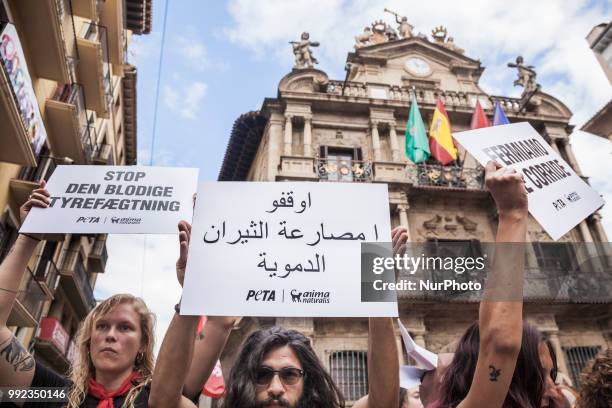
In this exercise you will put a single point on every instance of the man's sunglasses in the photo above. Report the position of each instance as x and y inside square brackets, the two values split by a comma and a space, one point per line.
[287, 375]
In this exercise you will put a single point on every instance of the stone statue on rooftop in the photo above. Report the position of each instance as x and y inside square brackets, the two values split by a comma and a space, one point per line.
[303, 52]
[364, 39]
[526, 76]
[404, 28]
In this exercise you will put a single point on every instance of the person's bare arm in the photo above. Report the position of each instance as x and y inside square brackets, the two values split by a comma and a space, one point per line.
[383, 362]
[208, 348]
[176, 350]
[16, 364]
[500, 314]
[383, 366]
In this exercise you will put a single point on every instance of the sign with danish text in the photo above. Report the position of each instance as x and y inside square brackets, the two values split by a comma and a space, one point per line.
[115, 199]
[284, 249]
[558, 198]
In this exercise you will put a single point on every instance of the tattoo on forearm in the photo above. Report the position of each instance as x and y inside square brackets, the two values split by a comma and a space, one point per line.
[494, 373]
[14, 354]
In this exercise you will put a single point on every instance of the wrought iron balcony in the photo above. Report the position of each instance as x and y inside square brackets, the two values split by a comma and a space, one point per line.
[99, 255]
[450, 176]
[68, 123]
[47, 274]
[46, 166]
[103, 154]
[29, 303]
[346, 170]
[93, 69]
[75, 282]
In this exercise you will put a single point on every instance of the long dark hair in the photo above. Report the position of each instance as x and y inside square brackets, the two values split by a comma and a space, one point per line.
[528, 382]
[319, 389]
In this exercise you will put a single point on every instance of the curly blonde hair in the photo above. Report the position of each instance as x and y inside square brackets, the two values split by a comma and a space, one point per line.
[82, 368]
[596, 382]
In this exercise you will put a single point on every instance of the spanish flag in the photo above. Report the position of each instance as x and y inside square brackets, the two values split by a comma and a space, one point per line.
[441, 142]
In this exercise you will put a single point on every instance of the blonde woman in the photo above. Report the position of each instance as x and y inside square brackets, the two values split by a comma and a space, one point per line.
[114, 360]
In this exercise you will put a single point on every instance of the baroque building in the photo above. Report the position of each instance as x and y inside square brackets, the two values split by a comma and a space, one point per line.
[321, 129]
[67, 96]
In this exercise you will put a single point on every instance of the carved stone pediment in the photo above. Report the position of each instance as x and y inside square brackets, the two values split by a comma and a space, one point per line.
[433, 223]
[303, 80]
[449, 226]
[382, 53]
[548, 105]
[467, 224]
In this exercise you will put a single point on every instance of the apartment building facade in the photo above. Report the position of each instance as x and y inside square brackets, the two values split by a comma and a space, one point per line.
[67, 97]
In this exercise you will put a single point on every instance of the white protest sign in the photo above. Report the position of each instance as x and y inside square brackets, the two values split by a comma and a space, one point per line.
[558, 198]
[115, 199]
[283, 249]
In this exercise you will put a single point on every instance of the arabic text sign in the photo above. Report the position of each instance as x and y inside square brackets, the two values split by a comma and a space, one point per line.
[558, 198]
[115, 199]
[283, 249]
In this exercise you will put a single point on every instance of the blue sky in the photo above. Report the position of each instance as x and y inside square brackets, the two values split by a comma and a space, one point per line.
[222, 58]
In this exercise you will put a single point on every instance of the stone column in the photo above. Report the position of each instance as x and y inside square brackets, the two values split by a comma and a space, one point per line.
[395, 154]
[375, 140]
[554, 144]
[419, 338]
[275, 142]
[288, 134]
[561, 363]
[569, 153]
[591, 248]
[307, 135]
[603, 237]
[585, 231]
[402, 210]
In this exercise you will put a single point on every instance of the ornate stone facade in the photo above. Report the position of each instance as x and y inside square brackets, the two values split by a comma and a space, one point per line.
[315, 121]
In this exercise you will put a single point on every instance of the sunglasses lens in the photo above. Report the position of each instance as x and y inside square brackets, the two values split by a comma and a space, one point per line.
[263, 376]
[290, 376]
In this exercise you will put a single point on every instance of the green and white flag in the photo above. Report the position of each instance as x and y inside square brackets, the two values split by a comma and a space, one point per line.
[417, 144]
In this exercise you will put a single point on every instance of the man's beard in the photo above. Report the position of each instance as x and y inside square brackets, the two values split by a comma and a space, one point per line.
[278, 400]
[282, 401]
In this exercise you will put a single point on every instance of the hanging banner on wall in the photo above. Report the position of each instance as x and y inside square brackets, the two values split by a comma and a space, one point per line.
[16, 68]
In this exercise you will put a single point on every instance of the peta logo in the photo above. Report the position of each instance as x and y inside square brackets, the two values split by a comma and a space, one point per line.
[311, 296]
[88, 220]
[261, 295]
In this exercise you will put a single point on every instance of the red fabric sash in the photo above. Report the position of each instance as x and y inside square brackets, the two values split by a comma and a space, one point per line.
[98, 391]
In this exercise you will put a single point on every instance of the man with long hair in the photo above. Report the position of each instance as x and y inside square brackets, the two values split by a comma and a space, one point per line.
[275, 367]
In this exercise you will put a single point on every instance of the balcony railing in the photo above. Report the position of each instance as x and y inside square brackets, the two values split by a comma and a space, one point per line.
[33, 296]
[46, 167]
[344, 170]
[103, 154]
[94, 69]
[72, 94]
[98, 255]
[449, 176]
[73, 265]
[79, 269]
[47, 273]
[424, 95]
